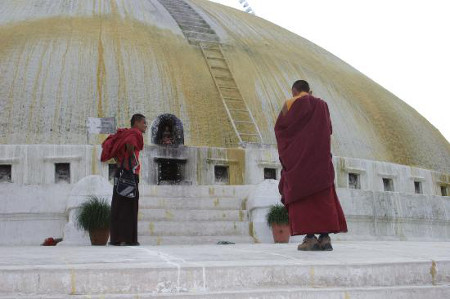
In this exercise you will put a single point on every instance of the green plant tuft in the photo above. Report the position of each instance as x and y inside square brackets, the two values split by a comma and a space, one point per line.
[94, 214]
[278, 214]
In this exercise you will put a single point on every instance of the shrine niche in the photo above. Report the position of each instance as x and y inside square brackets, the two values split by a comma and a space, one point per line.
[167, 130]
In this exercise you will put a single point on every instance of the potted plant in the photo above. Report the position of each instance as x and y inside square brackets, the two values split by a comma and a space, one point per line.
[278, 219]
[94, 217]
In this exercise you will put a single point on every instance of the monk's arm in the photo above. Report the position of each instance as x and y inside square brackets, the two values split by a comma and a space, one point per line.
[285, 109]
[329, 120]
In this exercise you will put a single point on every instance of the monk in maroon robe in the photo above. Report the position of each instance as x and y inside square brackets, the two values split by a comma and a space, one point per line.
[303, 131]
[124, 147]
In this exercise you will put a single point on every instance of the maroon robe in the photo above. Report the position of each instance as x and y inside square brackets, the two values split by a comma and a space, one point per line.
[124, 211]
[307, 179]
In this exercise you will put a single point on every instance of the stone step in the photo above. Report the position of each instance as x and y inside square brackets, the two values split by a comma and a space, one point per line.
[175, 2]
[198, 228]
[181, 19]
[191, 203]
[201, 37]
[183, 16]
[203, 191]
[401, 292]
[192, 215]
[193, 23]
[186, 10]
[354, 267]
[193, 240]
[200, 29]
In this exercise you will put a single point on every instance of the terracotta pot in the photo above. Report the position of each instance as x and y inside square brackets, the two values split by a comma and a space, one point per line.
[99, 237]
[281, 233]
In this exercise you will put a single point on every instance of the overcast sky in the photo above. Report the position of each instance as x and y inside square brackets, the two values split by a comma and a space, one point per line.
[402, 45]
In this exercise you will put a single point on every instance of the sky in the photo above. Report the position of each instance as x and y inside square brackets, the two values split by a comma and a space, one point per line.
[402, 45]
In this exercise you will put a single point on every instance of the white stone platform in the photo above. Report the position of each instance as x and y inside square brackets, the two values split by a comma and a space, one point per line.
[353, 270]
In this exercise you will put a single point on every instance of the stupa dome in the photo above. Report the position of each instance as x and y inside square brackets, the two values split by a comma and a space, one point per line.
[64, 61]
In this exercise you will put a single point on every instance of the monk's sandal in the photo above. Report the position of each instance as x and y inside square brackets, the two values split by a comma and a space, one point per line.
[309, 244]
[325, 243]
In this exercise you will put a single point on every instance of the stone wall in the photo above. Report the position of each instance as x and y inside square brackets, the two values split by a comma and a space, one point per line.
[381, 200]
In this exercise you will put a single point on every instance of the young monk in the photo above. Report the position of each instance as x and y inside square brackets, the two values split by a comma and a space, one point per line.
[124, 147]
[303, 131]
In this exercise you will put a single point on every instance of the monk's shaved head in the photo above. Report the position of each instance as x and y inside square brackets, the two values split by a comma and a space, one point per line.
[300, 86]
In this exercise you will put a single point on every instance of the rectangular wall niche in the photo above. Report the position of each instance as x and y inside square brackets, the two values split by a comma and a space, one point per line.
[221, 174]
[418, 187]
[171, 171]
[112, 171]
[270, 174]
[5, 174]
[444, 191]
[62, 172]
[354, 181]
[388, 185]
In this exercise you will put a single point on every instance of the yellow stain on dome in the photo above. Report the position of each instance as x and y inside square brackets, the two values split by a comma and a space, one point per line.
[101, 71]
[153, 70]
[120, 45]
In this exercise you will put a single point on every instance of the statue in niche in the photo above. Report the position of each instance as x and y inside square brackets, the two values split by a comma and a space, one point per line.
[167, 136]
[167, 130]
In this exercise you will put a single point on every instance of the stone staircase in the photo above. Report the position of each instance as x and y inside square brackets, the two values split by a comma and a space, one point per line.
[193, 26]
[365, 270]
[198, 32]
[186, 215]
[240, 116]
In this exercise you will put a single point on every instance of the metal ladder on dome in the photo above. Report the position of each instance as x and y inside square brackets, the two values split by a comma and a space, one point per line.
[238, 112]
[198, 32]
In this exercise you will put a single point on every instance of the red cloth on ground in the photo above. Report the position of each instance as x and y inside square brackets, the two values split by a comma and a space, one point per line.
[317, 213]
[114, 146]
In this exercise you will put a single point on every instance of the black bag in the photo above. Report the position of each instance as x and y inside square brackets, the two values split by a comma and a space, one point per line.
[125, 183]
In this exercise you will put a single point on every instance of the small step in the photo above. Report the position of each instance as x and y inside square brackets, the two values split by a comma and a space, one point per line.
[211, 47]
[352, 270]
[198, 228]
[243, 122]
[180, 17]
[200, 29]
[220, 68]
[191, 19]
[193, 240]
[178, 6]
[225, 78]
[181, 10]
[410, 292]
[243, 118]
[192, 215]
[191, 203]
[175, 4]
[198, 23]
[190, 192]
[228, 87]
[233, 99]
[201, 36]
[238, 110]
[248, 134]
[215, 58]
